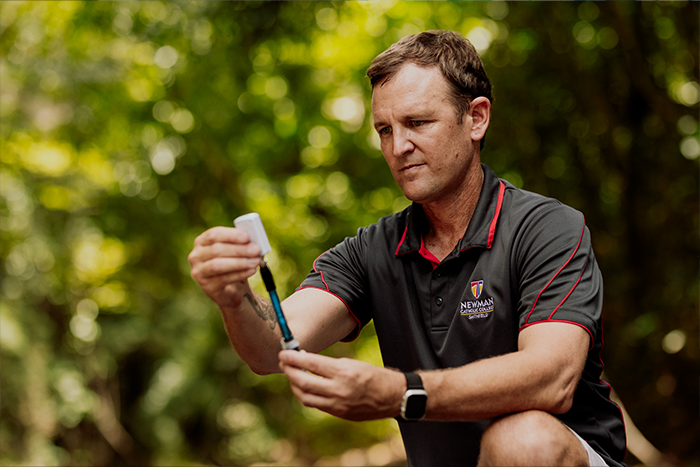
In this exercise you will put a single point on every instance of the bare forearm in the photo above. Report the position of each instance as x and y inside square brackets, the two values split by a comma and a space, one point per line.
[542, 375]
[494, 387]
[316, 318]
[252, 329]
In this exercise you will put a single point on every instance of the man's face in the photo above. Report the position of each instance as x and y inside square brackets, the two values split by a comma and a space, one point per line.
[428, 152]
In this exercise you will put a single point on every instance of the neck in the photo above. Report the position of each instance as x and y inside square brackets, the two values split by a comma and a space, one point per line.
[449, 218]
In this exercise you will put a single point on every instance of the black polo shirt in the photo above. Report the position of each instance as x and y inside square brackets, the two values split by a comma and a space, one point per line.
[524, 259]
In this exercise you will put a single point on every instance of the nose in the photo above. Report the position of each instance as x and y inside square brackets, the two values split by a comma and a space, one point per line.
[402, 142]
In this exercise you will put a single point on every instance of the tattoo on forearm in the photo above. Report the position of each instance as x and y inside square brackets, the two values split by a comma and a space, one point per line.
[263, 309]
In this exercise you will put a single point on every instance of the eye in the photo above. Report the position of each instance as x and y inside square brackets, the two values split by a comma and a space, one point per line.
[417, 122]
[384, 130]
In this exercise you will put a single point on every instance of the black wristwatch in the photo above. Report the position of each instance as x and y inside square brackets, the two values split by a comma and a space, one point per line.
[414, 400]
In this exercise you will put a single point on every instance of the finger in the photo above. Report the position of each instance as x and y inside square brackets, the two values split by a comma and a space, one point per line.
[307, 383]
[231, 250]
[313, 400]
[222, 235]
[232, 278]
[203, 253]
[291, 358]
[229, 268]
[317, 364]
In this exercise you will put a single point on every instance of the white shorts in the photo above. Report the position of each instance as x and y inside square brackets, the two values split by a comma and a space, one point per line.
[594, 459]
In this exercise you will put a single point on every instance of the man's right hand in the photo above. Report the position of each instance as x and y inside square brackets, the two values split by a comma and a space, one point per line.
[222, 260]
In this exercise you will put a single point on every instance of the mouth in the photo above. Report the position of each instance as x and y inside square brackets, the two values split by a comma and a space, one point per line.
[410, 167]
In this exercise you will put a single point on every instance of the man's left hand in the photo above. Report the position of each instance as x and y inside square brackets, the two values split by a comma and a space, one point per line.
[343, 387]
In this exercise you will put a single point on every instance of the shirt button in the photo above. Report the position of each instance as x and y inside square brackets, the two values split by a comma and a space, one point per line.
[438, 301]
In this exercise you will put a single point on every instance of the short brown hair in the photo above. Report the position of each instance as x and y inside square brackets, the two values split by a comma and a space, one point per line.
[450, 52]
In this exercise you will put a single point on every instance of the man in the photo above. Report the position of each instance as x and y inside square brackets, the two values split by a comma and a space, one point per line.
[486, 298]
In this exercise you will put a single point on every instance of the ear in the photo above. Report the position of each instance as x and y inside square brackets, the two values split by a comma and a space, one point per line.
[480, 114]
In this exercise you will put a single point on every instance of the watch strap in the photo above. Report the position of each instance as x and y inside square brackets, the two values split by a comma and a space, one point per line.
[413, 381]
[414, 400]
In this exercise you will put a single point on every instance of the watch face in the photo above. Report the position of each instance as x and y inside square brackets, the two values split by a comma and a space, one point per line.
[416, 401]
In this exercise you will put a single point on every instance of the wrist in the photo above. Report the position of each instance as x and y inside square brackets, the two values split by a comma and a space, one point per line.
[415, 399]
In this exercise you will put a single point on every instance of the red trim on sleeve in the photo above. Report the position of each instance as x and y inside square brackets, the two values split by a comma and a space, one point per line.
[356, 331]
[313, 266]
[570, 291]
[320, 273]
[492, 227]
[557, 273]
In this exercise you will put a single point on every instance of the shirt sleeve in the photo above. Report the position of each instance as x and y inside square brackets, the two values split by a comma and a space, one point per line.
[559, 278]
[341, 272]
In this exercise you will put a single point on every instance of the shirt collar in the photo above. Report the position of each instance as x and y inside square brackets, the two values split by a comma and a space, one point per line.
[482, 227]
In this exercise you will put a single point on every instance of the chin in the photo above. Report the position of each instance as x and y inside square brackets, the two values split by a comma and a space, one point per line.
[416, 198]
[416, 192]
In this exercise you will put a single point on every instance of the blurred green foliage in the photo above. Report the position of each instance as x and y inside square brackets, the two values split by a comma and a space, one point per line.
[128, 128]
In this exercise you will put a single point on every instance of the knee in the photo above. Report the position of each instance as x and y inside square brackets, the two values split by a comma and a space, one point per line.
[527, 439]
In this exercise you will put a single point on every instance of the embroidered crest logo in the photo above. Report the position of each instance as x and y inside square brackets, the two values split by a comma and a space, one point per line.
[477, 287]
[481, 307]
